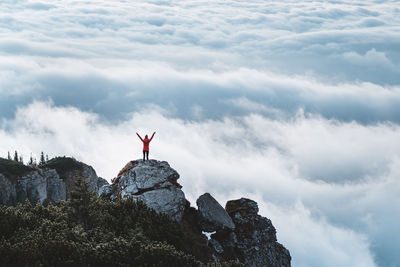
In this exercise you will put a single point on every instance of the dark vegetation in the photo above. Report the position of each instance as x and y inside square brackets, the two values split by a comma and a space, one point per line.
[63, 164]
[88, 231]
[13, 168]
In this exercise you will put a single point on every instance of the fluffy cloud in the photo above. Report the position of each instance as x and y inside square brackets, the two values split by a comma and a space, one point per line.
[114, 88]
[303, 96]
[335, 183]
[185, 53]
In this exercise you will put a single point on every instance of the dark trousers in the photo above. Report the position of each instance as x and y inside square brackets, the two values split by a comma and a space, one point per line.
[145, 154]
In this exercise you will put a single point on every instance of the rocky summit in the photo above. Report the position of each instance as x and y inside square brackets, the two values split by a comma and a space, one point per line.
[153, 182]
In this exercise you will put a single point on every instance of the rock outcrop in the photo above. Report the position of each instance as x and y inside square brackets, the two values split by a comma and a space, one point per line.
[153, 182]
[240, 233]
[213, 216]
[45, 183]
[253, 241]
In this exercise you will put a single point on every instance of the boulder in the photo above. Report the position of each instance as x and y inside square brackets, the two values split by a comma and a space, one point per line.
[213, 215]
[153, 182]
[253, 241]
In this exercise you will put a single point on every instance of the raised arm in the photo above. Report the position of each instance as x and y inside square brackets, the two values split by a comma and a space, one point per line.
[152, 136]
[140, 137]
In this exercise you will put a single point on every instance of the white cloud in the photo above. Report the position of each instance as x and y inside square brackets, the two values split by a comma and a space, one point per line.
[302, 96]
[343, 174]
[371, 58]
[337, 246]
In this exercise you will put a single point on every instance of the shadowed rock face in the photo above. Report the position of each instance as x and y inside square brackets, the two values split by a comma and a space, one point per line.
[153, 182]
[253, 241]
[213, 215]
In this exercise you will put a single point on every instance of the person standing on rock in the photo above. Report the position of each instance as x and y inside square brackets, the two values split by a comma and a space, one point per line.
[146, 142]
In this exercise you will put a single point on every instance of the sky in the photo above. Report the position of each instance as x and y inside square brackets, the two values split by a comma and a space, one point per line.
[295, 104]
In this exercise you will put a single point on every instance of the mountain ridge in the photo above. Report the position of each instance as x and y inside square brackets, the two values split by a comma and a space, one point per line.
[236, 233]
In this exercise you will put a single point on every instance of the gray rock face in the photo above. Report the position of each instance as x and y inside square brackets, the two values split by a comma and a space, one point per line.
[213, 215]
[8, 194]
[100, 182]
[90, 177]
[83, 171]
[153, 182]
[253, 241]
[42, 184]
[106, 191]
[32, 186]
[56, 189]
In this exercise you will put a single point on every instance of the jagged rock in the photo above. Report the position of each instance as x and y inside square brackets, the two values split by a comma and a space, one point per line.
[253, 241]
[153, 182]
[242, 208]
[213, 215]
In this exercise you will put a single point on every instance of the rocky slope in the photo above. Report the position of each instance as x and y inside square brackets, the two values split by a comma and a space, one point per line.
[240, 234]
[40, 184]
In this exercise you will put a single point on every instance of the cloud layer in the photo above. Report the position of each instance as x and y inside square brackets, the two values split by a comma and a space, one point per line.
[293, 103]
[329, 187]
[339, 59]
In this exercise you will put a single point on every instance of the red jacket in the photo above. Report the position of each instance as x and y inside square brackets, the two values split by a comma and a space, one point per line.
[146, 142]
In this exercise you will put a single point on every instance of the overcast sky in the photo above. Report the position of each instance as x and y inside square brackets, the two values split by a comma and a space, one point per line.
[295, 104]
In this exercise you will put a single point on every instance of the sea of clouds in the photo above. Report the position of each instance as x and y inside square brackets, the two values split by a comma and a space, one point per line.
[295, 104]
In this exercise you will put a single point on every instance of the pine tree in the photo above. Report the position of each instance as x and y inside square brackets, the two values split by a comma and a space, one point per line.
[16, 156]
[31, 160]
[42, 161]
[21, 159]
[8, 156]
[47, 157]
[81, 200]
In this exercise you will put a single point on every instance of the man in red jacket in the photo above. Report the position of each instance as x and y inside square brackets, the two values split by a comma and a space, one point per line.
[146, 142]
